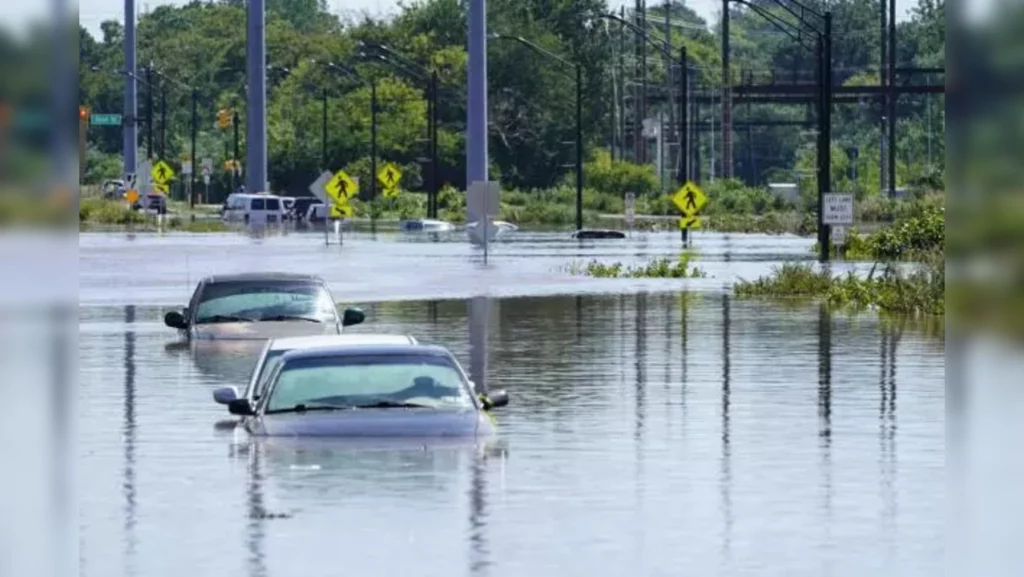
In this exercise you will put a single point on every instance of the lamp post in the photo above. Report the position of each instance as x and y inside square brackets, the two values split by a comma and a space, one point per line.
[579, 115]
[429, 77]
[372, 83]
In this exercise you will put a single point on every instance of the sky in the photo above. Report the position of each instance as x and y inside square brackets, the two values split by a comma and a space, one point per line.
[93, 12]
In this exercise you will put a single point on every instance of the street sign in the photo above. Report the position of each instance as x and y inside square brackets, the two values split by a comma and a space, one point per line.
[839, 234]
[132, 196]
[161, 187]
[688, 222]
[341, 210]
[317, 187]
[105, 120]
[389, 176]
[341, 187]
[689, 199]
[129, 180]
[206, 179]
[838, 208]
[390, 192]
[207, 166]
[186, 167]
[162, 172]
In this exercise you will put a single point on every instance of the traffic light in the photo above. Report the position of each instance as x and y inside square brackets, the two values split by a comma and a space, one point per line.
[224, 119]
[83, 113]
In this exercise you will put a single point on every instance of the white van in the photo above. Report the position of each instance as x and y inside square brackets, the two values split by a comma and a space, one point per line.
[254, 209]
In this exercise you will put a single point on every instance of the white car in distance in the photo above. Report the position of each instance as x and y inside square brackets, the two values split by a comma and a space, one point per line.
[275, 348]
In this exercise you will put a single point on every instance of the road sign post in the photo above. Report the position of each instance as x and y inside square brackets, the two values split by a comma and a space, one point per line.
[689, 199]
[837, 210]
[389, 177]
[629, 203]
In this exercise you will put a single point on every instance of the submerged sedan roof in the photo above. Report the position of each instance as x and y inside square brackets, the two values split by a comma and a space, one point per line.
[263, 276]
[321, 341]
[367, 349]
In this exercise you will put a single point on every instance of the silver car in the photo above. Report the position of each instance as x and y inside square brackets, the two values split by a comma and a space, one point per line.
[260, 306]
[353, 390]
[275, 348]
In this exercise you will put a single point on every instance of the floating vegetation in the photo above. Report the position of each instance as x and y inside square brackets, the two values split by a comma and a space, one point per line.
[657, 268]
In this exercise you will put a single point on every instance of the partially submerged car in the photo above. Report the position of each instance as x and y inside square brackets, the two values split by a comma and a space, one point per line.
[275, 348]
[354, 390]
[261, 306]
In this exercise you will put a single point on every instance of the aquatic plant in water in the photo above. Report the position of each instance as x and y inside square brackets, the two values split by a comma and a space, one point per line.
[657, 268]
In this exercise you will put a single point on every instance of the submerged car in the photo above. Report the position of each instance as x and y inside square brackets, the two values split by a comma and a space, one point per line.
[261, 306]
[351, 390]
[275, 348]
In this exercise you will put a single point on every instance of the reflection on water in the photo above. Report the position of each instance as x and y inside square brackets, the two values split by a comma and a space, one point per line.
[650, 431]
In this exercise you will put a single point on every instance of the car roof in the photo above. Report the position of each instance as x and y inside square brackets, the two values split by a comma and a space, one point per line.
[317, 341]
[369, 349]
[263, 276]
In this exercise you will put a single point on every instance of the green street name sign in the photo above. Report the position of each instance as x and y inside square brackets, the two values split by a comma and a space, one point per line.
[105, 120]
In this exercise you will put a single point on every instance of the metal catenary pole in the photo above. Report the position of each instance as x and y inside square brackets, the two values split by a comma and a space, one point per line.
[579, 146]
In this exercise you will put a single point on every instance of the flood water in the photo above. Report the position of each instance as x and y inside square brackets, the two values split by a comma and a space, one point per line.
[656, 427]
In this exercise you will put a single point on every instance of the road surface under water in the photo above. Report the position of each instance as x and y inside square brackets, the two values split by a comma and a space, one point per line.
[651, 431]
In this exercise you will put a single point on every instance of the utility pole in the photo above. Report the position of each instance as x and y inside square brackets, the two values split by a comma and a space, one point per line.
[163, 119]
[684, 141]
[434, 168]
[130, 126]
[238, 154]
[884, 99]
[256, 105]
[149, 111]
[668, 81]
[323, 131]
[892, 98]
[579, 144]
[195, 129]
[373, 143]
[726, 96]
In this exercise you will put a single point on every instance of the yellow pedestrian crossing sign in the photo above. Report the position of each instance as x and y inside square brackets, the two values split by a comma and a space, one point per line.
[389, 176]
[688, 222]
[161, 187]
[341, 187]
[689, 199]
[162, 173]
[390, 192]
[341, 210]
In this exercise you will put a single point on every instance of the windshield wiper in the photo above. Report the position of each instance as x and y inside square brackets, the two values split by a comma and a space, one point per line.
[223, 319]
[290, 318]
[387, 404]
[301, 408]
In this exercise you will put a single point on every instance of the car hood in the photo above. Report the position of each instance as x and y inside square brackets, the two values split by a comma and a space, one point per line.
[421, 423]
[261, 330]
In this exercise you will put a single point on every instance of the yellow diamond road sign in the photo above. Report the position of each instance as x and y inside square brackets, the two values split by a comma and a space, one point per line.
[341, 187]
[389, 176]
[689, 222]
[161, 187]
[341, 210]
[689, 199]
[161, 172]
[390, 192]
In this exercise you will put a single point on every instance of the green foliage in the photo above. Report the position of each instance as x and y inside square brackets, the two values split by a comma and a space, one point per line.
[617, 177]
[657, 268]
[107, 212]
[920, 232]
[921, 291]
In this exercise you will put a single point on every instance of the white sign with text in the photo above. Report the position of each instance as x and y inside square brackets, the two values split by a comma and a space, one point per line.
[838, 208]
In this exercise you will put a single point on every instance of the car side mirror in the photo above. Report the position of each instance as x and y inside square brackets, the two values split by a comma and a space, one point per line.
[495, 400]
[225, 395]
[175, 320]
[352, 316]
[241, 407]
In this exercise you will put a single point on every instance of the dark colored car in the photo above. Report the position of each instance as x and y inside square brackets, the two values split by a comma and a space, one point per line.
[255, 306]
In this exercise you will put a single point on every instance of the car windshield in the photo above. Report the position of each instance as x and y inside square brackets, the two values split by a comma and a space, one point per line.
[348, 381]
[263, 300]
[266, 370]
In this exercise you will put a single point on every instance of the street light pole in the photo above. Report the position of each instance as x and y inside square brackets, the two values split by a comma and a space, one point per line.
[163, 120]
[373, 142]
[684, 138]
